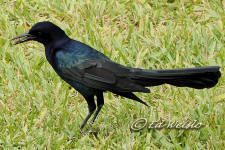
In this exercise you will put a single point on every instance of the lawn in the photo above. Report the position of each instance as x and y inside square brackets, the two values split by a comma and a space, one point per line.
[38, 110]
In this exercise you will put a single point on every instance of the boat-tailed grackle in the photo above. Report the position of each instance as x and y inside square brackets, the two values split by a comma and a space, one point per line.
[91, 73]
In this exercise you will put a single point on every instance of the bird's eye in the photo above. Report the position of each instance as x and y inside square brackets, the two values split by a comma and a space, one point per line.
[39, 33]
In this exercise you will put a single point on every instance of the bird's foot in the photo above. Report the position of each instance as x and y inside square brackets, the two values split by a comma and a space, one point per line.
[89, 131]
[91, 123]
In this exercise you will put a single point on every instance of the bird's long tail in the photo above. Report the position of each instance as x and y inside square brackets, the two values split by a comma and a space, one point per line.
[198, 78]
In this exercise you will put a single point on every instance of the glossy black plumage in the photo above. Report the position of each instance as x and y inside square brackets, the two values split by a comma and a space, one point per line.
[91, 73]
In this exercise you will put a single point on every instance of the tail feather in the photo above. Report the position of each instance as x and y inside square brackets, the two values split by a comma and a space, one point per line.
[203, 77]
[132, 96]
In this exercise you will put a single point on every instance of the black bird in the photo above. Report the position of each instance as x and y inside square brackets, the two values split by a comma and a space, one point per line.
[91, 73]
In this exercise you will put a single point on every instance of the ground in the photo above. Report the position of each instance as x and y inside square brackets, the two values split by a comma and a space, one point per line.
[38, 110]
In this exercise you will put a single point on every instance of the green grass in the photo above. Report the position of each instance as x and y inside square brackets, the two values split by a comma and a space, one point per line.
[38, 110]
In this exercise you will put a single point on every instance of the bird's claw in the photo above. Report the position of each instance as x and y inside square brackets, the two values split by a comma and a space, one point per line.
[84, 132]
[88, 131]
[91, 123]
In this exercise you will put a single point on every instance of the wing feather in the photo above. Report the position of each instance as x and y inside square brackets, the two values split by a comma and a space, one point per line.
[102, 75]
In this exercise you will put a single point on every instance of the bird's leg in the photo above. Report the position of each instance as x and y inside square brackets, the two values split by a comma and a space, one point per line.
[100, 103]
[91, 108]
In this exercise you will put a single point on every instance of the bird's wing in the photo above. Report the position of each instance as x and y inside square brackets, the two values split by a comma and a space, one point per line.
[103, 75]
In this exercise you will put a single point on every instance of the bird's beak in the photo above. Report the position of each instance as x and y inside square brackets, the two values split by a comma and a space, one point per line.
[22, 38]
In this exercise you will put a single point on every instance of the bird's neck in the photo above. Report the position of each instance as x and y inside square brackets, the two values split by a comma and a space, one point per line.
[57, 42]
[52, 47]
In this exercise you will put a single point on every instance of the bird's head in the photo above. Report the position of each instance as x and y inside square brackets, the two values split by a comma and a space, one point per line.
[43, 32]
